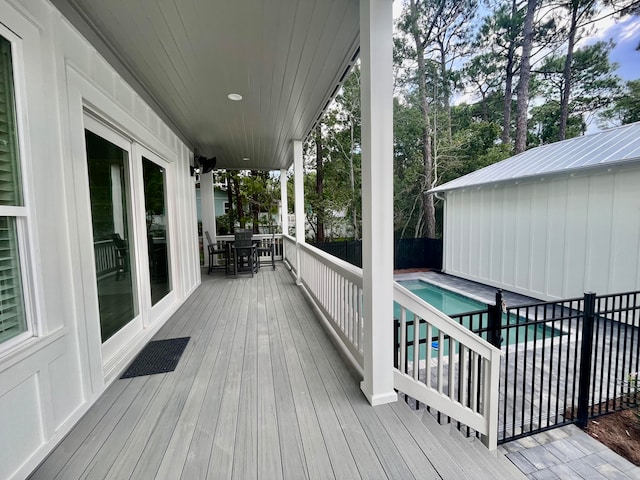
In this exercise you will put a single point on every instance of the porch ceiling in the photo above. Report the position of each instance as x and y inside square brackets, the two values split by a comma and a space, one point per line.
[285, 57]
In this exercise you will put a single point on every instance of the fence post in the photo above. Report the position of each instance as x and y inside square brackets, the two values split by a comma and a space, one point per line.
[586, 350]
[495, 321]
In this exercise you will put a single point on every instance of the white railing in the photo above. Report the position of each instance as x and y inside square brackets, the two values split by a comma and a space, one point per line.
[106, 257]
[289, 254]
[461, 383]
[453, 370]
[336, 288]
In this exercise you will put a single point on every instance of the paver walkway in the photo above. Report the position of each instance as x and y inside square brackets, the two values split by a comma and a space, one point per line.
[567, 453]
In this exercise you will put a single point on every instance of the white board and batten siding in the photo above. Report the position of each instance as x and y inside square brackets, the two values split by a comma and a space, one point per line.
[50, 380]
[551, 237]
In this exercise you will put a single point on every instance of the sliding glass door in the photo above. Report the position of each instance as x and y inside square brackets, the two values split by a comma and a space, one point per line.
[111, 217]
[154, 178]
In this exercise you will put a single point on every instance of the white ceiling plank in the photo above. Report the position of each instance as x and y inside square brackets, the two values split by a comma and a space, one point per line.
[283, 56]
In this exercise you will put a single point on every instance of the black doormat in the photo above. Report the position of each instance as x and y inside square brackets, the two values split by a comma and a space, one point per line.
[159, 356]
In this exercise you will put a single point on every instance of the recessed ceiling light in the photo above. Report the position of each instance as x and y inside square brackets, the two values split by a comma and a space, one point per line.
[236, 97]
[246, 159]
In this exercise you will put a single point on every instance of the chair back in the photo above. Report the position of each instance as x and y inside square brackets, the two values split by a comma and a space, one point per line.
[118, 241]
[206, 234]
[243, 238]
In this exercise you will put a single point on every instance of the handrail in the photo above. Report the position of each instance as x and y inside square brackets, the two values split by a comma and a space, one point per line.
[465, 379]
[457, 375]
[289, 250]
[335, 287]
[348, 271]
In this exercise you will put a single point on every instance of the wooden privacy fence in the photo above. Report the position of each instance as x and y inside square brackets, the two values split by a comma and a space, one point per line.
[408, 252]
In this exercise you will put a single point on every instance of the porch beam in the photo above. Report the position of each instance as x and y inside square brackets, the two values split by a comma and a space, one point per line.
[299, 201]
[208, 209]
[284, 203]
[376, 83]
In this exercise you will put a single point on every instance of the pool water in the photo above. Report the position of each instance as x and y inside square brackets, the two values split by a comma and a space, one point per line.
[452, 303]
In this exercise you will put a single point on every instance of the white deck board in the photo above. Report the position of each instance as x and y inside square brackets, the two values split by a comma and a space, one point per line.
[260, 392]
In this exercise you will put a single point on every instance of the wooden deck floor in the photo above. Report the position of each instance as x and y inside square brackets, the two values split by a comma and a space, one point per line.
[260, 392]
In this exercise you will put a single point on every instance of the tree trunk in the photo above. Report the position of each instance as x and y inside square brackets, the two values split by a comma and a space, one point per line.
[232, 220]
[255, 207]
[239, 207]
[352, 178]
[446, 100]
[319, 186]
[485, 107]
[508, 81]
[566, 87]
[523, 82]
[428, 206]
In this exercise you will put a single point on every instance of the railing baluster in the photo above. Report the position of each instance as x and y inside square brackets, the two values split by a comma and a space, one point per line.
[462, 375]
[416, 346]
[474, 373]
[428, 355]
[440, 362]
[403, 339]
[451, 369]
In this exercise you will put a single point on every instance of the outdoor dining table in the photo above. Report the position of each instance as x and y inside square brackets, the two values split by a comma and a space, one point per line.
[234, 256]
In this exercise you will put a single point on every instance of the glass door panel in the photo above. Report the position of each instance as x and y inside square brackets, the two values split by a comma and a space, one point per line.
[108, 167]
[157, 237]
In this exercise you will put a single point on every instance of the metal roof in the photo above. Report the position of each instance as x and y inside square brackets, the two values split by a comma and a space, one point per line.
[613, 146]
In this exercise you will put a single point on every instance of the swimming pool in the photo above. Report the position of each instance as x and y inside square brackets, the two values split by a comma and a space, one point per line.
[453, 303]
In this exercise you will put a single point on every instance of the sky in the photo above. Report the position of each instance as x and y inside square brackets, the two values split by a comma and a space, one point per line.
[626, 35]
[624, 32]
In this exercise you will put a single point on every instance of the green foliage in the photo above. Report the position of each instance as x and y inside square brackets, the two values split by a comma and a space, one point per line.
[626, 108]
[457, 137]
[544, 124]
[340, 205]
[593, 81]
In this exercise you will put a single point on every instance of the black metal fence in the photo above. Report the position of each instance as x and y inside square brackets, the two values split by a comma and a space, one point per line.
[564, 361]
[408, 252]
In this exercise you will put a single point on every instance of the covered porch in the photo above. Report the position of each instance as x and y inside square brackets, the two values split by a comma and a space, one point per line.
[260, 392]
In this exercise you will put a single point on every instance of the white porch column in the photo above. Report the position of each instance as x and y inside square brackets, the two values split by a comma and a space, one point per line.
[284, 205]
[299, 201]
[376, 83]
[208, 207]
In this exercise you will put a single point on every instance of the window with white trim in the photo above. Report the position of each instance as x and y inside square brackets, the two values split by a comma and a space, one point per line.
[13, 320]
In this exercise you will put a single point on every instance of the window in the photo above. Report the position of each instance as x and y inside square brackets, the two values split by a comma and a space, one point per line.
[156, 219]
[13, 320]
[109, 189]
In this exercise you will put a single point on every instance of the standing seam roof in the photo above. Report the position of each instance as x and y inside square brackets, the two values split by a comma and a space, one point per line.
[616, 145]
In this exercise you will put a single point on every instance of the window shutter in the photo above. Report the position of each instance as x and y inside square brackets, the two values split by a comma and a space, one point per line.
[10, 191]
[12, 314]
[12, 318]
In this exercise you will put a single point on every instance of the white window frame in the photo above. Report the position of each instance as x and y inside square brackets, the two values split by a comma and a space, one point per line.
[114, 345]
[22, 214]
[140, 152]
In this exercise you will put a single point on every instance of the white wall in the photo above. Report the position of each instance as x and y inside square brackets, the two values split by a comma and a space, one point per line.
[49, 381]
[549, 238]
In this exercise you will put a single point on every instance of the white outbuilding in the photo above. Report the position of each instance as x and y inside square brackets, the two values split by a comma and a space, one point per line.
[552, 222]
